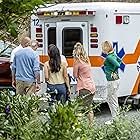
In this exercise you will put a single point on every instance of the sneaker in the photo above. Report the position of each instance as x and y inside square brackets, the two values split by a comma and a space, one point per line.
[109, 122]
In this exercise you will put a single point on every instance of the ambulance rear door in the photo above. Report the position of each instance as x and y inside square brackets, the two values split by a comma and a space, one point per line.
[68, 33]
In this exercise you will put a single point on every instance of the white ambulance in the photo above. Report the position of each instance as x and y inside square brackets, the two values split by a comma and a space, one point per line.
[92, 23]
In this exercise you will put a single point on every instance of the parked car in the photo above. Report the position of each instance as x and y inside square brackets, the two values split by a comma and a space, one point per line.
[5, 71]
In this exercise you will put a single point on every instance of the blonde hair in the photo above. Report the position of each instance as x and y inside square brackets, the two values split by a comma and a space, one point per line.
[80, 53]
[107, 46]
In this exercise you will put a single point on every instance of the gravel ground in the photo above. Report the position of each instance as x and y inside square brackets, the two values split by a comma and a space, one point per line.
[103, 114]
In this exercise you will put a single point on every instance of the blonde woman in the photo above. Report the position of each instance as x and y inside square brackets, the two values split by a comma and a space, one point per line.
[82, 72]
[111, 65]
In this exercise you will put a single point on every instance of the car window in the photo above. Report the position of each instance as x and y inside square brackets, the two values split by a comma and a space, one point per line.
[6, 49]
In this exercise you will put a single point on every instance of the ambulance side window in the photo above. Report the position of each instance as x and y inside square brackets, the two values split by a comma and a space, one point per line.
[52, 35]
[70, 37]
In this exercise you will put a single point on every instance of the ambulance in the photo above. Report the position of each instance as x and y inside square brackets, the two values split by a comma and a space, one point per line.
[92, 23]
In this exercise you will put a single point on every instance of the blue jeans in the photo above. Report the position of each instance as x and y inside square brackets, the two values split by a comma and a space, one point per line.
[62, 92]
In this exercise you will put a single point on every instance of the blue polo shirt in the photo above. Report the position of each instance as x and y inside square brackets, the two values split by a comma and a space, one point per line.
[26, 64]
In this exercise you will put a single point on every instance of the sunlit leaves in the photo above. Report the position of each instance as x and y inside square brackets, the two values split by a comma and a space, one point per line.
[14, 15]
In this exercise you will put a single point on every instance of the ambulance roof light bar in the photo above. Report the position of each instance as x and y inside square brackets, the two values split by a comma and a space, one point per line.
[66, 13]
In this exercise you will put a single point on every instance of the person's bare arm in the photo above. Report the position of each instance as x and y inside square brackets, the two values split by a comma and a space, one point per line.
[13, 79]
[66, 77]
[38, 83]
[75, 69]
[41, 64]
[37, 77]
[46, 72]
[13, 70]
[36, 70]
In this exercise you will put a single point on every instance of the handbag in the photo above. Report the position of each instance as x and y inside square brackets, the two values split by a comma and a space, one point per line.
[114, 75]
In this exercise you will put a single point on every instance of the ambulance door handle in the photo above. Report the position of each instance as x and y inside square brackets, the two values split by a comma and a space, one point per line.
[83, 24]
[47, 25]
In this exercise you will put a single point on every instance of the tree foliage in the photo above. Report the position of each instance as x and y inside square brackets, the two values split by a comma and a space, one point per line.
[14, 14]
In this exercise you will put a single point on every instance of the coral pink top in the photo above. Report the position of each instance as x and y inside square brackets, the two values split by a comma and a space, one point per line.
[82, 72]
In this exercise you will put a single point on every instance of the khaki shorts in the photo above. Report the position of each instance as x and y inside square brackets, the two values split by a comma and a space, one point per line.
[24, 88]
[86, 97]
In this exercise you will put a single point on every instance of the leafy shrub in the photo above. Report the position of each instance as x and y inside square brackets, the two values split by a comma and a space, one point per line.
[15, 112]
[64, 124]
[20, 119]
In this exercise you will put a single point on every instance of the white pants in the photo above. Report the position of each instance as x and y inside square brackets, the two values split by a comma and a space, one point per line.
[112, 99]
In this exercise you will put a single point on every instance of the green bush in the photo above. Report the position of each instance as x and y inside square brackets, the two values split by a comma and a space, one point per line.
[64, 124]
[21, 119]
[15, 112]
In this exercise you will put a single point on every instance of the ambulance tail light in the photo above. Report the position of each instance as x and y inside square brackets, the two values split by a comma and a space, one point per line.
[39, 40]
[39, 36]
[93, 37]
[94, 45]
[39, 13]
[91, 12]
[93, 40]
[93, 29]
[82, 12]
[118, 19]
[38, 30]
[40, 45]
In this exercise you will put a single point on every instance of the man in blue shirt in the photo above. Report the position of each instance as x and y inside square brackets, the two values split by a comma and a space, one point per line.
[26, 70]
[24, 43]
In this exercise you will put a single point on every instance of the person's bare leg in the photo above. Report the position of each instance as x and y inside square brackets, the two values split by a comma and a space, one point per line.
[90, 118]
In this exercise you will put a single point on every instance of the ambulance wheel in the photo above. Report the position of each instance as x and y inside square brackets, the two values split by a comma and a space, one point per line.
[137, 106]
[139, 88]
